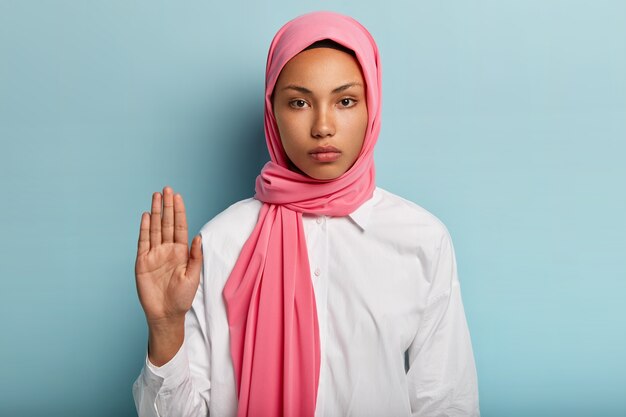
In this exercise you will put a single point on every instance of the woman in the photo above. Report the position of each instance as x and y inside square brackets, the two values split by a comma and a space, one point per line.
[323, 294]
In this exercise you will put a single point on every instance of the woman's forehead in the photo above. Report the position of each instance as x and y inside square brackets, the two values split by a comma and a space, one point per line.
[324, 68]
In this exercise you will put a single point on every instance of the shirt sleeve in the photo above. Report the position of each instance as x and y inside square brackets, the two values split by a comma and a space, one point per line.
[441, 376]
[180, 387]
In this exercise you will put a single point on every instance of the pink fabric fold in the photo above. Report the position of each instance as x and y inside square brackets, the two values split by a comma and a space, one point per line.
[269, 296]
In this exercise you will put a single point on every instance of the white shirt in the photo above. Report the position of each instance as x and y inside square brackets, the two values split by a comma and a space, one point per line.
[393, 333]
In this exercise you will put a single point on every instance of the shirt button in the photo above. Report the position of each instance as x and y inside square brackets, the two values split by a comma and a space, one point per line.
[319, 220]
[317, 272]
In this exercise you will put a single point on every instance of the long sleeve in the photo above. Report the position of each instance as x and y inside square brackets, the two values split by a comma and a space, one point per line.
[442, 377]
[179, 388]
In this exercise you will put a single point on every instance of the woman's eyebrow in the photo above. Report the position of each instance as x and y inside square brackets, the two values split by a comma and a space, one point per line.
[305, 90]
[346, 86]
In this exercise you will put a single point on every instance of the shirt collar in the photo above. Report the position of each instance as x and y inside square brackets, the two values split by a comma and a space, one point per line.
[361, 216]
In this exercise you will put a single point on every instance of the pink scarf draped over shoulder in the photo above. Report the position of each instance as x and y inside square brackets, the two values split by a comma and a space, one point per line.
[269, 297]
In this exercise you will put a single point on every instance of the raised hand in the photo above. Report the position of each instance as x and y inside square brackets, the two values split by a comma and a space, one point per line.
[167, 273]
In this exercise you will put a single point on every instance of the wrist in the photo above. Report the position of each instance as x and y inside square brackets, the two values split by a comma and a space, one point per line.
[166, 324]
[164, 340]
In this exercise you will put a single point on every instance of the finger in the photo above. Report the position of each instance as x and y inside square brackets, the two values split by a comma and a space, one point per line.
[143, 245]
[155, 221]
[194, 264]
[167, 227]
[180, 220]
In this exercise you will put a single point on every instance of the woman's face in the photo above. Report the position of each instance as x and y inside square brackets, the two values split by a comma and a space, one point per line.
[321, 111]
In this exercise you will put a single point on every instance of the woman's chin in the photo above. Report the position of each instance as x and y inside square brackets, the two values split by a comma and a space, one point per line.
[330, 173]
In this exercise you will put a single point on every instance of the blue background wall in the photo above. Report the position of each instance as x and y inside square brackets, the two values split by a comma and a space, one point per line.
[505, 119]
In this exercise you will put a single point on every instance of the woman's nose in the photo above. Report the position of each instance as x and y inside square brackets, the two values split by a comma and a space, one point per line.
[323, 124]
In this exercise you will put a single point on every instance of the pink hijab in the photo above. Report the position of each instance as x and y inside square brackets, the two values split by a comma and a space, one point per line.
[269, 297]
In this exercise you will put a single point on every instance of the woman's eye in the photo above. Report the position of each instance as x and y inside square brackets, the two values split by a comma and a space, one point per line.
[347, 102]
[298, 103]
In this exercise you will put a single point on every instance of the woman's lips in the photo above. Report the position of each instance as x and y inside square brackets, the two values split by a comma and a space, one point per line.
[325, 154]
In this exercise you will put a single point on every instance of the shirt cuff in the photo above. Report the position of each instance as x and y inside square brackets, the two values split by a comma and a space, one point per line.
[171, 374]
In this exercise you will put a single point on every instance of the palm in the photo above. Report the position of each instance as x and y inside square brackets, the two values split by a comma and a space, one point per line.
[167, 276]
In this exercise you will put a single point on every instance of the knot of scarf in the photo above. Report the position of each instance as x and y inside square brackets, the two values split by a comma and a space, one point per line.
[269, 296]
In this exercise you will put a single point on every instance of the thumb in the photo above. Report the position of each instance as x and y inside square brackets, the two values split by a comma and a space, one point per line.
[194, 264]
